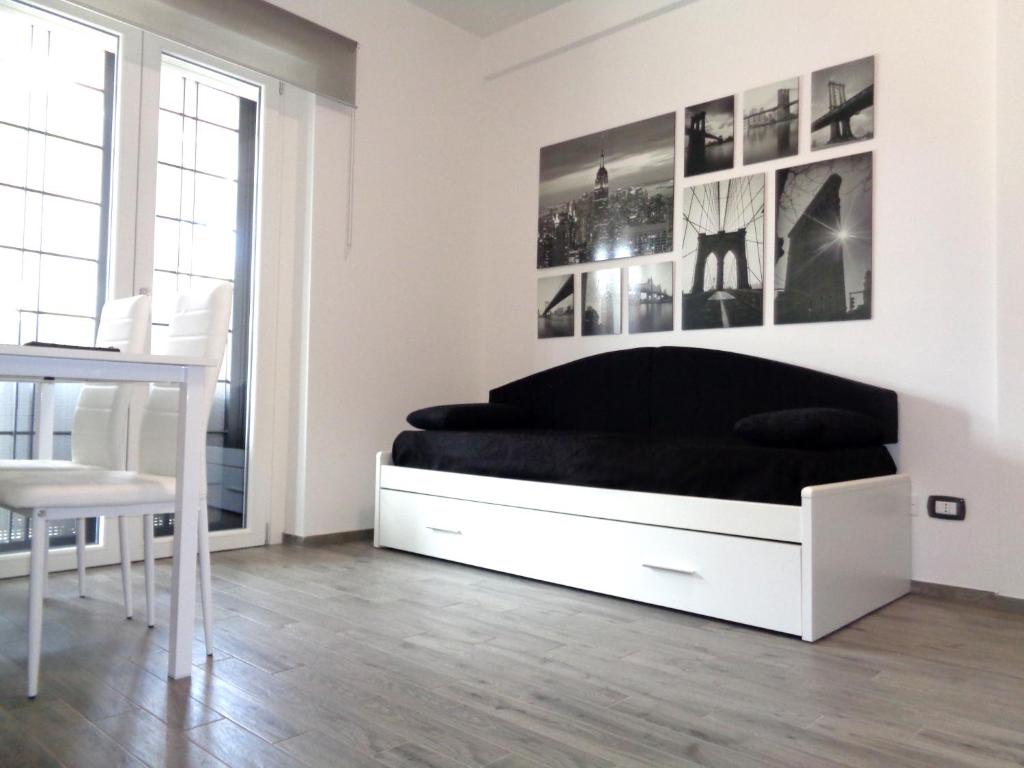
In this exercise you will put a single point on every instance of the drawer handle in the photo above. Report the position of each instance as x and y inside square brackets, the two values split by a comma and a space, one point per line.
[673, 569]
[444, 530]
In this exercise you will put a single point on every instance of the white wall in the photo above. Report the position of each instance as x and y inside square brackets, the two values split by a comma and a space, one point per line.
[933, 336]
[393, 325]
[1010, 234]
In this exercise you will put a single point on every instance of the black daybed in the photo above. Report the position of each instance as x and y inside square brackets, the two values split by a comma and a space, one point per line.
[716, 483]
[664, 420]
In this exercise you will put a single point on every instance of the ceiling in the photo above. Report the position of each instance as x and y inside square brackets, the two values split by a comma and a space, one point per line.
[485, 17]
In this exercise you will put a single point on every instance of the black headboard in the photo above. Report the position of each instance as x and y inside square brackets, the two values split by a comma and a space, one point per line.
[685, 390]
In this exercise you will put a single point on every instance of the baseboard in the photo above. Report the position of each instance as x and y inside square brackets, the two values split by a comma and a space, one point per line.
[326, 539]
[966, 595]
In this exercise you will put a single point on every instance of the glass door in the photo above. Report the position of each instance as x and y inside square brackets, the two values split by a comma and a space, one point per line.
[205, 192]
[58, 82]
[198, 224]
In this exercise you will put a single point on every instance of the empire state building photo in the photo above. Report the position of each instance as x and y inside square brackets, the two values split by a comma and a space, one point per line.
[608, 195]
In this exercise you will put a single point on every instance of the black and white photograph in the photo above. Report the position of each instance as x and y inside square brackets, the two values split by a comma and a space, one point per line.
[602, 302]
[823, 223]
[843, 103]
[723, 253]
[650, 297]
[556, 306]
[710, 133]
[608, 195]
[771, 121]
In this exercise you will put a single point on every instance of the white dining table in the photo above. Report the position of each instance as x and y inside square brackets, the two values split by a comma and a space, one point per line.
[49, 365]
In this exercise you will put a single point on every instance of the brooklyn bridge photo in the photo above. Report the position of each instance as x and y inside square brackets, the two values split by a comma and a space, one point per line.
[650, 297]
[771, 119]
[823, 223]
[723, 253]
[556, 308]
[710, 133]
[608, 195]
[843, 103]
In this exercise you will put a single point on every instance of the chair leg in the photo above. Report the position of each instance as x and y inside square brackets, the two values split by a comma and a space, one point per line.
[36, 585]
[46, 561]
[147, 556]
[205, 587]
[126, 565]
[80, 554]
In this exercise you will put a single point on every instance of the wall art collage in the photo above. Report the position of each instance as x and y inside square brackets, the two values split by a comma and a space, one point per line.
[611, 196]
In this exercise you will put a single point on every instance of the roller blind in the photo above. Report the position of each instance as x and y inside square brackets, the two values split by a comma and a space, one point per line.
[251, 33]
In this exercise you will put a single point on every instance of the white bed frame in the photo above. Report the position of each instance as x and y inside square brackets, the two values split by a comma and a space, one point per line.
[804, 570]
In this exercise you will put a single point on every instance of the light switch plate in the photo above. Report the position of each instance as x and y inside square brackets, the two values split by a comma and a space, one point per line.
[947, 507]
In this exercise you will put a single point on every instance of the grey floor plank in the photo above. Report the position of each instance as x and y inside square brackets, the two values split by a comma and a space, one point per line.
[17, 747]
[237, 747]
[71, 738]
[416, 756]
[319, 705]
[401, 713]
[150, 740]
[271, 723]
[316, 749]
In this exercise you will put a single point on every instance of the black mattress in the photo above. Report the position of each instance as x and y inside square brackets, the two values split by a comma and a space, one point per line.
[715, 468]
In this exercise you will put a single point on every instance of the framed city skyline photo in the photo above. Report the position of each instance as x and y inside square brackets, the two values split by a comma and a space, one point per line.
[771, 121]
[556, 306]
[723, 253]
[823, 224]
[602, 302]
[608, 195]
[710, 136]
[651, 296]
[843, 103]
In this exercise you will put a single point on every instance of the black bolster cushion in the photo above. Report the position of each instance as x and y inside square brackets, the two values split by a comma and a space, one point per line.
[470, 416]
[811, 428]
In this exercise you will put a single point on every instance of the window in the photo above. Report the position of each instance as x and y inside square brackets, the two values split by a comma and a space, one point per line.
[56, 108]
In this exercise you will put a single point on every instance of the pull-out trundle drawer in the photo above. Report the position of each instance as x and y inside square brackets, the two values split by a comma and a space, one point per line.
[747, 580]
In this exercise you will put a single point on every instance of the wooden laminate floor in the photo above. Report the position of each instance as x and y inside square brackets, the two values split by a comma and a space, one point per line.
[349, 656]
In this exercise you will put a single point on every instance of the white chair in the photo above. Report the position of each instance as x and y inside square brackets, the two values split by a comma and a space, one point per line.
[198, 328]
[99, 440]
[99, 432]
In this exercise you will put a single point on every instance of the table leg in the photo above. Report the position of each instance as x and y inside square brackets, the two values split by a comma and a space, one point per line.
[37, 576]
[191, 432]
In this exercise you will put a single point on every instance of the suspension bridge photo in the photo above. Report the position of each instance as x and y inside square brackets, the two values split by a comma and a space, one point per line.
[723, 253]
[843, 103]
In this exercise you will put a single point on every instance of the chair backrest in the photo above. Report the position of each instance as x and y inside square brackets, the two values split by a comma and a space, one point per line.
[199, 328]
[99, 431]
